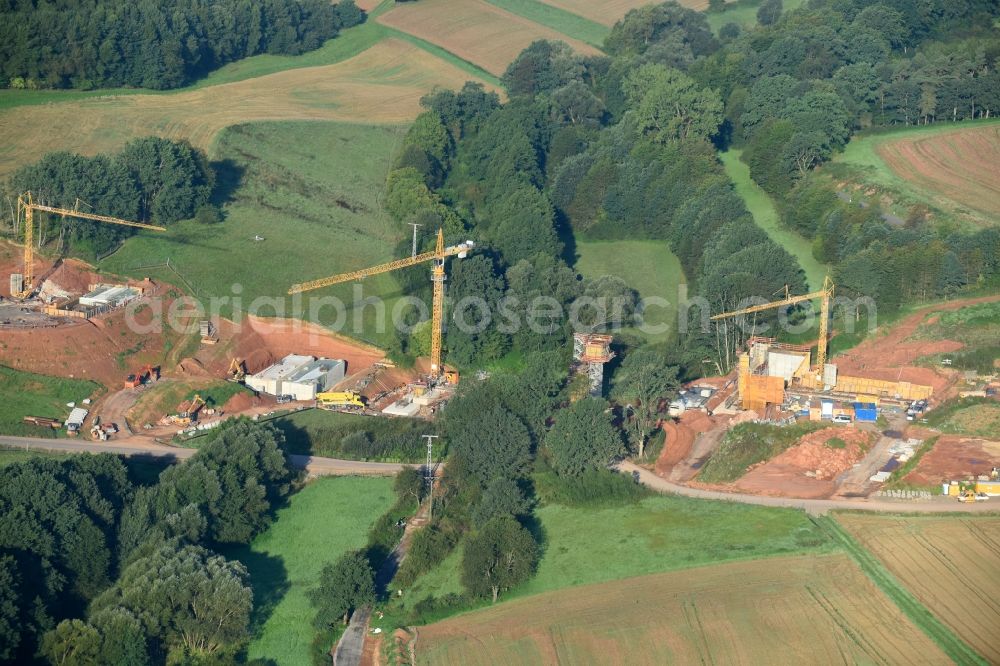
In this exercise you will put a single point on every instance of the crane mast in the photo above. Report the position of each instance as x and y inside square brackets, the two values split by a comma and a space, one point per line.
[25, 203]
[438, 256]
[825, 295]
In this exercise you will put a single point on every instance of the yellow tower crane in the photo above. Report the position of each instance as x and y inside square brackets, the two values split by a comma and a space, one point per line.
[825, 295]
[438, 255]
[25, 203]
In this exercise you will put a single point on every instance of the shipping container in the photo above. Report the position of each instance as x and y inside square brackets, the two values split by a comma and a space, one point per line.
[865, 412]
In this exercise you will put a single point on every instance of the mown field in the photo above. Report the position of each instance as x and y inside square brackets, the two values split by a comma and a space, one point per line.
[657, 534]
[649, 267]
[951, 564]
[313, 192]
[323, 520]
[766, 216]
[608, 12]
[949, 168]
[570, 23]
[382, 84]
[27, 394]
[823, 608]
[473, 30]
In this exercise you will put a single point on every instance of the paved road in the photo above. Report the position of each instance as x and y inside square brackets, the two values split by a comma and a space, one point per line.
[314, 465]
[813, 506]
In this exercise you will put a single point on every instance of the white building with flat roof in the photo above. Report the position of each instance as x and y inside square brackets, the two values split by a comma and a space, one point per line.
[301, 377]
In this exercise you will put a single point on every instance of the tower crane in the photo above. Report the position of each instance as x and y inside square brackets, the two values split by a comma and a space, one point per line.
[438, 255]
[825, 295]
[25, 203]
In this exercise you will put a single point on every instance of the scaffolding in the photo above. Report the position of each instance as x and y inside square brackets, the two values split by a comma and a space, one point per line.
[591, 351]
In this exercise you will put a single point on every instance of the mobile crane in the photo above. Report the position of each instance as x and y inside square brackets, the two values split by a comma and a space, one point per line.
[438, 255]
[26, 204]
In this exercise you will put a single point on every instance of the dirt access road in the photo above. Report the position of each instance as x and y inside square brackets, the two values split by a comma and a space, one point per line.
[313, 465]
[812, 506]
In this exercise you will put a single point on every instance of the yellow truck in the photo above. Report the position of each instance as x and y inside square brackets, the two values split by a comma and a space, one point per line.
[340, 400]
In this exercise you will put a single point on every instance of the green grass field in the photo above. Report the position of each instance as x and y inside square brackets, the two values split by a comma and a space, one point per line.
[658, 534]
[649, 267]
[975, 417]
[861, 163]
[558, 19]
[323, 520]
[744, 14]
[313, 191]
[766, 216]
[27, 394]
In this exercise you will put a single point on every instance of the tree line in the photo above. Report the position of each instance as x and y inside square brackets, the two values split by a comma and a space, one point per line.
[150, 180]
[97, 569]
[160, 45]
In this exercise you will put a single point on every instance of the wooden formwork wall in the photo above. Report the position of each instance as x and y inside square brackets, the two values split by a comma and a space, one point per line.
[760, 391]
[904, 390]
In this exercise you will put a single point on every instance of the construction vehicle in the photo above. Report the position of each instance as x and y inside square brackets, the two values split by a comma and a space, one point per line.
[187, 411]
[237, 371]
[26, 204]
[972, 496]
[340, 400]
[451, 377]
[150, 373]
[438, 255]
[825, 295]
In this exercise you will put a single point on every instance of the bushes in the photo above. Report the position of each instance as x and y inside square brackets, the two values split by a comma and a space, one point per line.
[356, 437]
[748, 444]
[595, 487]
[428, 549]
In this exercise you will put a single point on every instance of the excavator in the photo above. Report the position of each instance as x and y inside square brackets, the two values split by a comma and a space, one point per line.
[187, 411]
[150, 373]
[237, 370]
[340, 401]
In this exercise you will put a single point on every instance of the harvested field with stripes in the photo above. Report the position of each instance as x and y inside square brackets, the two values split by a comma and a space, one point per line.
[951, 564]
[806, 609]
[959, 165]
[473, 30]
[608, 12]
[381, 85]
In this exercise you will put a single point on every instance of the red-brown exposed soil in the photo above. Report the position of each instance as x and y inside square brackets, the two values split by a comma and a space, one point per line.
[680, 436]
[958, 165]
[241, 402]
[785, 474]
[891, 356]
[261, 342]
[955, 458]
[107, 348]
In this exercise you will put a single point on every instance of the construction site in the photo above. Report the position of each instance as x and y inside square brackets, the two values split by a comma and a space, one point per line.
[868, 399]
[870, 402]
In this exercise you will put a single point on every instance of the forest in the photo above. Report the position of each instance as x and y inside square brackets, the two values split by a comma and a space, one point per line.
[150, 180]
[147, 44]
[98, 568]
[624, 146]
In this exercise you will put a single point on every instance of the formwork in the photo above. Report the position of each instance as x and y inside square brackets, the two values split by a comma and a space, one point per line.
[758, 391]
[878, 387]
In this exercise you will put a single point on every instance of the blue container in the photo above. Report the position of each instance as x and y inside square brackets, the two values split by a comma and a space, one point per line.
[865, 412]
